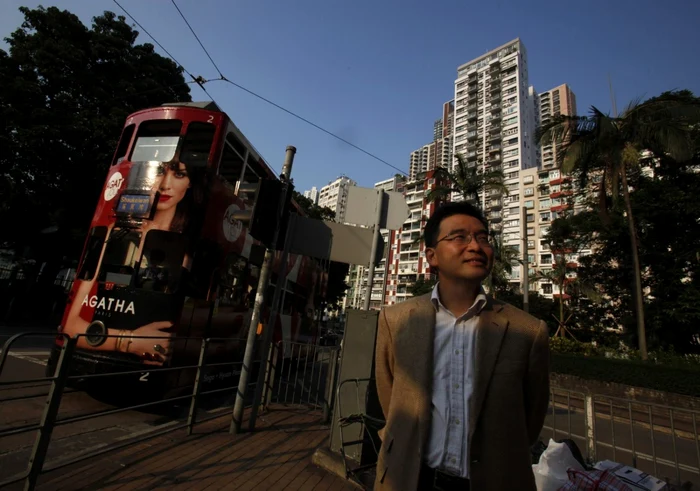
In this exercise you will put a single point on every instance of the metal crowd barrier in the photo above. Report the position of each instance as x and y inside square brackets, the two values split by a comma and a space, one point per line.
[652, 437]
[57, 384]
[302, 374]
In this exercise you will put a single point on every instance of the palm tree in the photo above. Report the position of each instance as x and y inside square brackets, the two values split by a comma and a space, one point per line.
[466, 181]
[504, 256]
[610, 146]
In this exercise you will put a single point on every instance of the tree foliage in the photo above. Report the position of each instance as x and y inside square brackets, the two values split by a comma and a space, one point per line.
[421, 286]
[467, 181]
[611, 147]
[65, 93]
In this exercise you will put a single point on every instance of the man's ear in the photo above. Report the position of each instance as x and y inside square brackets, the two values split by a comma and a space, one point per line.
[430, 256]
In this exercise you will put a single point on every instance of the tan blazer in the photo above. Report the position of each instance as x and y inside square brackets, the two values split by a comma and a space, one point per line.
[507, 408]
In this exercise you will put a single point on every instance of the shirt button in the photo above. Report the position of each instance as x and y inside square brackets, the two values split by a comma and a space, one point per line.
[456, 352]
[453, 460]
[456, 386]
[456, 421]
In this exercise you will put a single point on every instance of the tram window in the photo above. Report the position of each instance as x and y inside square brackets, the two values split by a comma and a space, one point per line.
[250, 175]
[156, 140]
[124, 142]
[231, 162]
[197, 144]
[120, 257]
[95, 241]
[237, 145]
[161, 267]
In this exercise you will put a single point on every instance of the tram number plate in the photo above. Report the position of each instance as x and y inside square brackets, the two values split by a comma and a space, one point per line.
[134, 203]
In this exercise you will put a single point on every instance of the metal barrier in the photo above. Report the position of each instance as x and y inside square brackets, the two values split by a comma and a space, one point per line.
[654, 438]
[57, 383]
[302, 374]
[356, 418]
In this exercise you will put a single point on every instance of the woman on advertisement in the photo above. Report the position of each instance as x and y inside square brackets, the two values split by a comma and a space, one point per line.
[179, 189]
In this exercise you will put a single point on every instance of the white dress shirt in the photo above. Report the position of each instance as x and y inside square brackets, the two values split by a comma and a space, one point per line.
[453, 383]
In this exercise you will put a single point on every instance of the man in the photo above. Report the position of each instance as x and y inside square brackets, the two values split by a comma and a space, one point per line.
[463, 379]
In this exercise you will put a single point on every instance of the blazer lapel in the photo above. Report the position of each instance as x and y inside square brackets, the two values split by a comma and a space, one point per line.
[490, 330]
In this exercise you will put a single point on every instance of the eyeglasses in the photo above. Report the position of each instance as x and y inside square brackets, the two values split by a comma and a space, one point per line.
[460, 239]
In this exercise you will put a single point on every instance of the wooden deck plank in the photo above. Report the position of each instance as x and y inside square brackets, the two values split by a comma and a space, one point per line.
[276, 456]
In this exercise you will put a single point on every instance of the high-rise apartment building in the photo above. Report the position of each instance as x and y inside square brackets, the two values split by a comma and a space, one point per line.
[557, 101]
[495, 123]
[335, 196]
[312, 194]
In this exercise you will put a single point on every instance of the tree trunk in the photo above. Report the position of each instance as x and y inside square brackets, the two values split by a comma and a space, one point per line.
[639, 299]
[561, 310]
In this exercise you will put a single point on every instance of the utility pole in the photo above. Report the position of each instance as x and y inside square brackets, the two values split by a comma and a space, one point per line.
[265, 272]
[526, 268]
[373, 253]
[267, 331]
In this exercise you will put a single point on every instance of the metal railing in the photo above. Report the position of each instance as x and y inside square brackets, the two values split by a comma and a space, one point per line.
[302, 374]
[62, 376]
[658, 439]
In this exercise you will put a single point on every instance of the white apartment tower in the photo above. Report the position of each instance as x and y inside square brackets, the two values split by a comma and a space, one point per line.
[312, 194]
[335, 196]
[495, 122]
[438, 153]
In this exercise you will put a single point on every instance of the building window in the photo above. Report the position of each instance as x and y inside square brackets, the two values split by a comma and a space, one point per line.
[547, 289]
[529, 191]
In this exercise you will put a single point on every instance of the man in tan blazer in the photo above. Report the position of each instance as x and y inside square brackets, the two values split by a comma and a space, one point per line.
[463, 379]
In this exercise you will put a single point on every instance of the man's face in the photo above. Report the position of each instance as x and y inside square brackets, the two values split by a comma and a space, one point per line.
[462, 250]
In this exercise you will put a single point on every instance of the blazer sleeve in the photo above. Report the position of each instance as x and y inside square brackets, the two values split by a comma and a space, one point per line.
[537, 383]
[384, 365]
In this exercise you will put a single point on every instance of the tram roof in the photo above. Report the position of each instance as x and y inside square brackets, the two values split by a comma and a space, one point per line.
[208, 105]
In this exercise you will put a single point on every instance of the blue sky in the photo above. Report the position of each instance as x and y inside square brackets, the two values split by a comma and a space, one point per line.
[377, 72]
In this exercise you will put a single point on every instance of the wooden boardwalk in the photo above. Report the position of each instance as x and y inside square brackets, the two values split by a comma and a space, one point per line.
[277, 456]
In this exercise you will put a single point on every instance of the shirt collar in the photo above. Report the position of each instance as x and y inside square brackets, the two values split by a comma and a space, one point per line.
[478, 305]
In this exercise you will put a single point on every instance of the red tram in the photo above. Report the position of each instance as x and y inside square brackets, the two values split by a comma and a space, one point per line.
[164, 257]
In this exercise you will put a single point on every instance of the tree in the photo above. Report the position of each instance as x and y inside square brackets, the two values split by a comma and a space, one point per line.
[312, 210]
[610, 147]
[65, 93]
[504, 257]
[565, 237]
[465, 180]
[421, 286]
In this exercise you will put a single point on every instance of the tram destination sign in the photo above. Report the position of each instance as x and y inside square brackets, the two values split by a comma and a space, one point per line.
[134, 204]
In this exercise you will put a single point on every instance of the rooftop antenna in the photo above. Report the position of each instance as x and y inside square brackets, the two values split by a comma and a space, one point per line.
[612, 97]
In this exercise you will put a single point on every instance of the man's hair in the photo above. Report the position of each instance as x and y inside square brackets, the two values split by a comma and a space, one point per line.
[432, 227]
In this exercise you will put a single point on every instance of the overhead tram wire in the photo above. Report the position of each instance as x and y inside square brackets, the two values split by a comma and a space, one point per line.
[292, 113]
[198, 80]
[198, 40]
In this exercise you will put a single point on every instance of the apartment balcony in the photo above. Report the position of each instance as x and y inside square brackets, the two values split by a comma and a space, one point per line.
[496, 227]
[494, 217]
[494, 159]
[472, 88]
[495, 87]
[494, 148]
[494, 204]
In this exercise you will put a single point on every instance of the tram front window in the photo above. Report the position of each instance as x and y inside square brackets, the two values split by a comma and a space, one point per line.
[162, 261]
[121, 254]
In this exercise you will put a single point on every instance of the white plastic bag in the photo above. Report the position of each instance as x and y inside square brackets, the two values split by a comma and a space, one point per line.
[550, 472]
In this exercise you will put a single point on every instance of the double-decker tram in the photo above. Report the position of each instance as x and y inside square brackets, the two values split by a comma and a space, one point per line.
[164, 258]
